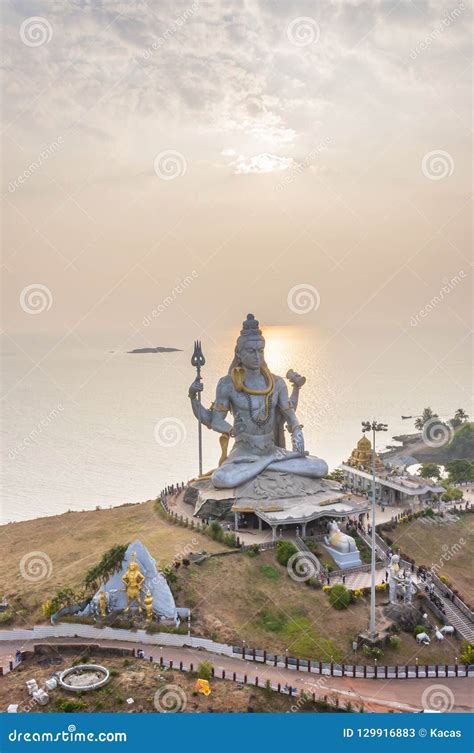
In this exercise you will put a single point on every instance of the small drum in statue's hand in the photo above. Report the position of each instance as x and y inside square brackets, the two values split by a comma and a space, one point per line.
[296, 379]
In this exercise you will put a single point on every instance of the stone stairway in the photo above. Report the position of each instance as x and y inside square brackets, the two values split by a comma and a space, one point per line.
[457, 619]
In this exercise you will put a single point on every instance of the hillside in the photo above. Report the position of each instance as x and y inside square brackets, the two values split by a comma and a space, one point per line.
[65, 546]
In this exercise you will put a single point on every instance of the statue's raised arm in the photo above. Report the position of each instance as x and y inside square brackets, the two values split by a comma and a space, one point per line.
[213, 417]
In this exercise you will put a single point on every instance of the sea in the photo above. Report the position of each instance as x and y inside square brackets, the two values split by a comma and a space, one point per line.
[86, 423]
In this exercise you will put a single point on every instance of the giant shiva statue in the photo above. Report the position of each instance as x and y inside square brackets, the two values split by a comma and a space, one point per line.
[261, 407]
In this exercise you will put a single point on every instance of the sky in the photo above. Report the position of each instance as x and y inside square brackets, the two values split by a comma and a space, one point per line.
[168, 167]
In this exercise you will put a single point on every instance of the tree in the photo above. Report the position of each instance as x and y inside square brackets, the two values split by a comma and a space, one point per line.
[460, 470]
[426, 416]
[336, 475]
[285, 549]
[430, 470]
[109, 564]
[460, 417]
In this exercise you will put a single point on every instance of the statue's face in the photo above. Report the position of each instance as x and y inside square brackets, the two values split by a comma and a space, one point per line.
[252, 354]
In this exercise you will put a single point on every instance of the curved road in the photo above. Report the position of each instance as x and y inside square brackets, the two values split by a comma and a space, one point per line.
[376, 695]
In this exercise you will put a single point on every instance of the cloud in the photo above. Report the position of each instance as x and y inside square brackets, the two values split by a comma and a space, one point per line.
[261, 163]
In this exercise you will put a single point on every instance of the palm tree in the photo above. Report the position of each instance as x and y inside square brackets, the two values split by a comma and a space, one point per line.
[427, 415]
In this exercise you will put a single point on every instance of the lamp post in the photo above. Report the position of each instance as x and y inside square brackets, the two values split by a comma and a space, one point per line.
[373, 426]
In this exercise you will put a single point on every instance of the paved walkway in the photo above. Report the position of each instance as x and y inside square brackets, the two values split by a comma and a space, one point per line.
[376, 695]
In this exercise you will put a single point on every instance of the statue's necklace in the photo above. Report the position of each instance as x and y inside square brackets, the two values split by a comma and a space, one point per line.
[255, 419]
[237, 378]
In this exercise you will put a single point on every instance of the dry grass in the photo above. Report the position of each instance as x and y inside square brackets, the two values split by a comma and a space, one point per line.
[447, 546]
[75, 541]
[238, 598]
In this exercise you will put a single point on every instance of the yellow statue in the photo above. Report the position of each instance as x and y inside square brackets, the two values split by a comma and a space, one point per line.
[148, 600]
[133, 580]
[103, 603]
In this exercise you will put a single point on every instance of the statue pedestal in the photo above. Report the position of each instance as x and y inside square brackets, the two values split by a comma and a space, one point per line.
[344, 560]
[276, 498]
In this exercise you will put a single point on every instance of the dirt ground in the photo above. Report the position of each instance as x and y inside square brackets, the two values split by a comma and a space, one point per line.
[251, 601]
[151, 687]
[65, 546]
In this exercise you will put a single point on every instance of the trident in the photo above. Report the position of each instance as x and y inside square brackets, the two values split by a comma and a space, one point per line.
[198, 360]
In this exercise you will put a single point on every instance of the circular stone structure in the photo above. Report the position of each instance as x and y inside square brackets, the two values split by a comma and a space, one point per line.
[84, 677]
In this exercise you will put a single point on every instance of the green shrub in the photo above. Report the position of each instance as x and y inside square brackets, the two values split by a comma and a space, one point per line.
[215, 531]
[394, 641]
[373, 651]
[114, 673]
[340, 597]
[69, 706]
[230, 539]
[285, 549]
[419, 629]
[253, 551]
[6, 616]
[204, 670]
[314, 583]
[467, 653]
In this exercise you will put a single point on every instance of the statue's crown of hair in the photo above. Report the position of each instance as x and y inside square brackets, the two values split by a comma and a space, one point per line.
[250, 326]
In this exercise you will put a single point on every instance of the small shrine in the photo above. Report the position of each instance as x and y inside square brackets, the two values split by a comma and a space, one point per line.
[137, 589]
[361, 457]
